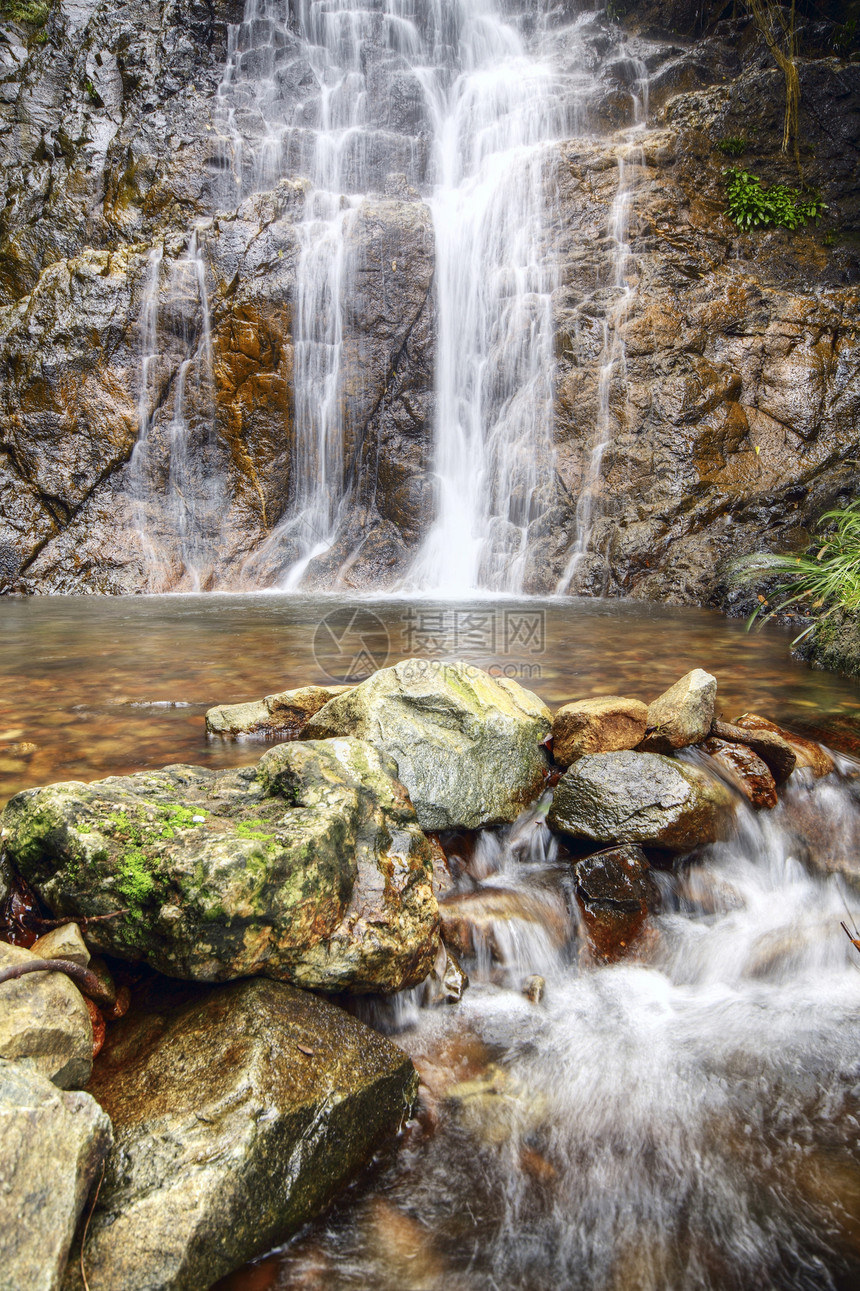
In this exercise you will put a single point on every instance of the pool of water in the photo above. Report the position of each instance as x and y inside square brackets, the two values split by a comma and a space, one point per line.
[96, 686]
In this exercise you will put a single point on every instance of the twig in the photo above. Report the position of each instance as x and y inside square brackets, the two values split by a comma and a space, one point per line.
[87, 1224]
[82, 977]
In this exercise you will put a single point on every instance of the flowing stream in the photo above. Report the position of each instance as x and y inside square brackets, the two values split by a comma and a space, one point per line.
[686, 1117]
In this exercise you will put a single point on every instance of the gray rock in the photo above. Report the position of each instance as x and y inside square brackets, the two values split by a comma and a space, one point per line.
[51, 1149]
[283, 714]
[601, 725]
[638, 798]
[467, 747]
[238, 1114]
[683, 714]
[43, 1017]
[310, 867]
[64, 942]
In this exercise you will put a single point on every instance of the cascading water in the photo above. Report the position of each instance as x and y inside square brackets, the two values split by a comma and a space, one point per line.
[611, 370]
[177, 486]
[482, 112]
[683, 1119]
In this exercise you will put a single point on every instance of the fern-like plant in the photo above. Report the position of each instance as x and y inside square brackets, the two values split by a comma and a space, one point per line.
[751, 205]
[818, 583]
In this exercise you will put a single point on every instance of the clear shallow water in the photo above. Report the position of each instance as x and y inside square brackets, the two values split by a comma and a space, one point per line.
[89, 681]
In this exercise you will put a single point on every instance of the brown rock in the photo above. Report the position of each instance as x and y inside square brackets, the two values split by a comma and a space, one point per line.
[808, 753]
[682, 715]
[776, 752]
[602, 725]
[613, 893]
[284, 714]
[64, 942]
[747, 770]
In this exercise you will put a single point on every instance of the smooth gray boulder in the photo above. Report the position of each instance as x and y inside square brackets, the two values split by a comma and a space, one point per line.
[238, 1113]
[43, 1017]
[467, 746]
[683, 714]
[52, 1146]
[310, 867]
[646, 798]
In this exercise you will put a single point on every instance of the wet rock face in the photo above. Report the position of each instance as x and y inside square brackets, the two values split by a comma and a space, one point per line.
[733, 425]
[238, 1114]
[310, 867]
[638, 798]
[746, 769]
[467, 747]
[51, 1151]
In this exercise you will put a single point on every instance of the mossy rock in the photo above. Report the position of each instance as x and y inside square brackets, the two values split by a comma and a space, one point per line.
[310, 867]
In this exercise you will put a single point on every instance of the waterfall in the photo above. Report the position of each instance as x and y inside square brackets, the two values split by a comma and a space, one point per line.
[177, 485]
[483, 112]
[612, 362]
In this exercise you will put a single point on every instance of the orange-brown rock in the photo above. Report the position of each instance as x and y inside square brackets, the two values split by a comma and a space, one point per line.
[769, 745]
[747, 770]
[808, 754]
[602, 725]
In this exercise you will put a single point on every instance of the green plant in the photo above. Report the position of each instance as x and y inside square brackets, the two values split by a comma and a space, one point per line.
[34, 12]
[733, 145]
[819, 583]
[751, 205]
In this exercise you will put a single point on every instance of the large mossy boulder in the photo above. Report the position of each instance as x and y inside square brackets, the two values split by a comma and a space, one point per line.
[310, 867]
[52, 1145]
[639, 798]
[467, 746]
[238, 1113]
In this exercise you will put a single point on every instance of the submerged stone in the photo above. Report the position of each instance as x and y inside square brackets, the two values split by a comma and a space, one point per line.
[467, 746]
[310, 867]
[52, 1145]
[644, 798]
[614, 894]
[238, 1114]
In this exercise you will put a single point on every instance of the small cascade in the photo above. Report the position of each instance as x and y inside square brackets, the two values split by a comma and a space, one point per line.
[612, 362]
[177, 481]
[683, 1118]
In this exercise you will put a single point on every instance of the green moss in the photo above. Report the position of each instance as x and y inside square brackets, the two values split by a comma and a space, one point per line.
[732, 145]
[33, 12]
[253, 829]
[135, 881]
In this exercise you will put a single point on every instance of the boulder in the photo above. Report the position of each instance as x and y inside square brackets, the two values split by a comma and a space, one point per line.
[238, 1113]
[770, 746]
[602, 725]
[747, 771]
[52, 1145]
[809, 755]
[44, 1017]
[310, 867]
[467, 745]
[284, 714]
[614, 895]
[646, 798]
[64, 942]
[683, 714]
